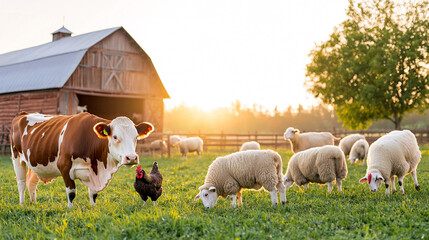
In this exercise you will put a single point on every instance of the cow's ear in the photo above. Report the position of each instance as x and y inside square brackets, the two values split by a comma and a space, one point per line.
[144, 129]
[102, 130]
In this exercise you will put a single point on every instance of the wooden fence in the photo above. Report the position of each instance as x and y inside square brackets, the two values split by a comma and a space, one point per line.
[273, 141]
[227, 140]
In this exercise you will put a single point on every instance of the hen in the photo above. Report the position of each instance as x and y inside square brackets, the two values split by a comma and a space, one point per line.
[148, 185]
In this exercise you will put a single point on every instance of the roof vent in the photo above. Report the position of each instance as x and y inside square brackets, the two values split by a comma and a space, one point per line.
[61, 33]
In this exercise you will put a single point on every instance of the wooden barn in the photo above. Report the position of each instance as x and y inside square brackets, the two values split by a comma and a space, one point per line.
[106, 72]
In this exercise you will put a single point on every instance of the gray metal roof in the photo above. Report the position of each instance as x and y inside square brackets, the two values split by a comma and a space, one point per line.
[63, 30]
[46, 66]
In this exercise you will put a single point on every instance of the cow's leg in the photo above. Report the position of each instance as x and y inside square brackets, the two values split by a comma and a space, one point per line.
[32, 181]
[20, 172]
[92, 196]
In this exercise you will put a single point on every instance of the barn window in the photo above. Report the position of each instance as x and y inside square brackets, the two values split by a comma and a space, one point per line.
[113, 72]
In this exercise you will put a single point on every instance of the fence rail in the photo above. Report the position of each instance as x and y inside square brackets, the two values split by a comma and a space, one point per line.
[224, 140]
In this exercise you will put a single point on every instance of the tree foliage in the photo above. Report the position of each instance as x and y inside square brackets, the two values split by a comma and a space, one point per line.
[375, 64]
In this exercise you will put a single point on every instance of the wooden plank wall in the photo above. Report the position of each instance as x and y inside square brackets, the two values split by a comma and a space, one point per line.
[42, 102]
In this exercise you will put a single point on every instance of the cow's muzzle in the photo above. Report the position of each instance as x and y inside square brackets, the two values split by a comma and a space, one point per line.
[131, 159]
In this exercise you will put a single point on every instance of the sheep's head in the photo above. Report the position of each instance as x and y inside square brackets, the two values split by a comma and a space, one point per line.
[374, 180]
[352, 160]
[290, 133]
[209, 196]
[287, 182]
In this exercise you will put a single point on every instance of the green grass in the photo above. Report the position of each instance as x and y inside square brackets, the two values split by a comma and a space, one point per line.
[356, 213]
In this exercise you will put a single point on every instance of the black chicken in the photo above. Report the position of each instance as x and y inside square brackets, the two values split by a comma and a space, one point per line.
[148, 185]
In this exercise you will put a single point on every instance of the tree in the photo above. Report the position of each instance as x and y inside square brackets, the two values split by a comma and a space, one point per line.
[375, 64]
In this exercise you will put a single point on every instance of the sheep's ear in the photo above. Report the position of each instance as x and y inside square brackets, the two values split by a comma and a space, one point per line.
[380, 178]
[212, 189]
[296, 131]
[197, 197]
[363, 180]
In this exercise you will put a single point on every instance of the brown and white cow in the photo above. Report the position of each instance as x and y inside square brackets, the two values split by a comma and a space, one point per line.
[82, 146]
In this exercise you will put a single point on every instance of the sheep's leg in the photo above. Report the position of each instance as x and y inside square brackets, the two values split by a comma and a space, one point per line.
[299, 187]
[154, 203]
[401, 184]
[273, 195]
[282, 191]
[289, 184]
[239, 200]
[339, 184]
[330, 187]
[392, 183]
[92, 196]
[32, 181]
[387, 187]
[306, 186]
[233, 198]
[20, 171]
[416, 184]
[199, 155]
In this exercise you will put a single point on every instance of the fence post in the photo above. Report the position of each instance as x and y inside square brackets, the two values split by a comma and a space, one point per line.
[222, 142]
[168, 146]
[275, 142]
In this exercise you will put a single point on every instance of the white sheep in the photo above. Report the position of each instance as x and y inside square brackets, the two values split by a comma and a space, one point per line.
[302, 141]
[192, 144]
[359, 151]
[252, 169]
[347, 142]
[250, 146]
[317, 165]
[394, 154]
[158, 145]
[174, 140]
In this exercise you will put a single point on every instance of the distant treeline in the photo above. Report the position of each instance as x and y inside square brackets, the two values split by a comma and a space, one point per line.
[238, 119]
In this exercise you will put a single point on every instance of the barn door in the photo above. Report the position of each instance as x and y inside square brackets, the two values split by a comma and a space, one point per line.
[113, 72]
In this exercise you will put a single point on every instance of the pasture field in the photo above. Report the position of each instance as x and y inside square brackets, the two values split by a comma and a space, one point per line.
[356, 213]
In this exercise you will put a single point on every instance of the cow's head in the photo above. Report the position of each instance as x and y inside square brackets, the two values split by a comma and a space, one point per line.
[123, 135]
[374, 180]
[208, 195]
[290, 133]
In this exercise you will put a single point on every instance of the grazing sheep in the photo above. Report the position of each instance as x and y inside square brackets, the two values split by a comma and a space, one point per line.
[174, 140]
[252, 169]
[303, 141]
[347, 142]
[250, 146]
[158, 145]
[359, 151]
[394, 154]
[192, 144]
[317, 165]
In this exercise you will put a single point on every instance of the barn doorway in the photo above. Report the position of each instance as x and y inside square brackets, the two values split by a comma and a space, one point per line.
[112, 107]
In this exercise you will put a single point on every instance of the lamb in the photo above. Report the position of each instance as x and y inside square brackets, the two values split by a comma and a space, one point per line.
[300, 142]
[252, 169]
[174, 140]
[158, 145]
[192, 144]
[347, 142]
[394, 154]
[317, 165]
[359, 151]
[250, 146]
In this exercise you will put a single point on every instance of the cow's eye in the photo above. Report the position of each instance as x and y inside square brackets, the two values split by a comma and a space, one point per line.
[115, 138]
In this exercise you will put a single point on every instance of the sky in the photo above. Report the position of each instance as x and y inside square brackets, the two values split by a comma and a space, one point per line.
[207, 53]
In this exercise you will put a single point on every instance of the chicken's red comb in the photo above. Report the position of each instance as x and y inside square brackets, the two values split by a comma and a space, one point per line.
[139, 168]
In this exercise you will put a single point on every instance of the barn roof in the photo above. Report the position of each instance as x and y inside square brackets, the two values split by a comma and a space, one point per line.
[46, 66]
